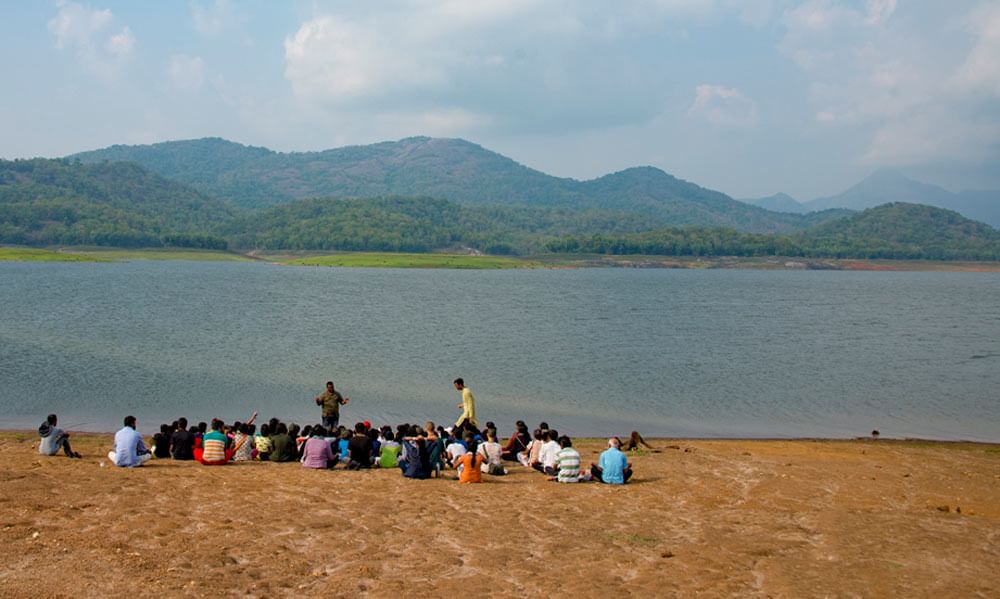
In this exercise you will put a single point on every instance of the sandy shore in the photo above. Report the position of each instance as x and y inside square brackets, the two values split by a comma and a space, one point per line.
[707, 518]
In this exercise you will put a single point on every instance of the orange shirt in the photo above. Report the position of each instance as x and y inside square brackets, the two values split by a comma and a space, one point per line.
[471, 472]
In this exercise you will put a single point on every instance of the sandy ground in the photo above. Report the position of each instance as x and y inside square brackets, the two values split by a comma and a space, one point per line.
[701, 518]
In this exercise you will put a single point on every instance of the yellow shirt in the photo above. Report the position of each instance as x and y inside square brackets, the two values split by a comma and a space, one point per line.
[468, 408]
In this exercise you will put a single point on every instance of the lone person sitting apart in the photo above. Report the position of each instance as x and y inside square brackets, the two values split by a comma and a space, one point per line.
[468, 405]
[129, 450]
[54, 438]
[331, 401]
[613, 467]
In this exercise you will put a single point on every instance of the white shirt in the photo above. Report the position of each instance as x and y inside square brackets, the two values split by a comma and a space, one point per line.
[455, 451]
[547, 455]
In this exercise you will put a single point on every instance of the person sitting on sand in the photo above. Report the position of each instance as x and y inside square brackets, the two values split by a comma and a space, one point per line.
[243, 444]
[282, 446]
[634, 441]
[547, 454]
[491, 452]
[316, 452]
[530, 456]
[129, 451]
[470, 464]
[517, 443]
[54, 438]
[182, 441]
[262, 443]
[161, 442]
[453, 451]
[417, 461]
[389, 452]
[215, 446]
[568, 462]
[613, 467]
[360, 448]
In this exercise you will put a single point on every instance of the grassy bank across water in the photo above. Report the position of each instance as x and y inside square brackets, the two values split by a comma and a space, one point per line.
[38, 255]
[114, 254]
[394, 260]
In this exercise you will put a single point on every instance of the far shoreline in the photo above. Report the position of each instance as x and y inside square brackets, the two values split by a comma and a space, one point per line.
[475, 261]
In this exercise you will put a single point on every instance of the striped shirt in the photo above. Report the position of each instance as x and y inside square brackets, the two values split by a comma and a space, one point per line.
[214, 444]
[568, 460]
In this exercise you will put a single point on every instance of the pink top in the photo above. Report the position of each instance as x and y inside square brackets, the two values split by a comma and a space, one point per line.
[316, 453]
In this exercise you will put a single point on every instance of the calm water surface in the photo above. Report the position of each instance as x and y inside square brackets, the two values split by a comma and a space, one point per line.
[667, 352]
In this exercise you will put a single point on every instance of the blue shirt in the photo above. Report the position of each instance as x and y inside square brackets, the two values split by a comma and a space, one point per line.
[613, 463]
[128, 446]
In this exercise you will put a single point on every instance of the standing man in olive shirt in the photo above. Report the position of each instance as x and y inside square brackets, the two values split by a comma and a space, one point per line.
[331, 401]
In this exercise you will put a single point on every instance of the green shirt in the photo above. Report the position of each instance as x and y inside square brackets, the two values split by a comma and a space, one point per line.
[330, 402]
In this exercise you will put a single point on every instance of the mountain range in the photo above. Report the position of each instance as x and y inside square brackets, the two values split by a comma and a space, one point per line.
[886, 186]
[450, 169]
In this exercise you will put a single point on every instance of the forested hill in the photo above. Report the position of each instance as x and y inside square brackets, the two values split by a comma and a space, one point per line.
[449, 169]
[891, 231]
[45, 202]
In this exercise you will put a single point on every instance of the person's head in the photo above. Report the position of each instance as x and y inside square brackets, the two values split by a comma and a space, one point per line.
[389, 436]
[193, 430]
[317, 431]
[490, 425]
[129, 421]
[246, 429]
[416, 431]
[164, 428]
[329, 386]
[345, 434]
[182, 424]
[565, 442]
[614, 442]
[543, 425]
[265, 429]
[273, 424]
[217, 424]
[519, 424]
[429, 426]
[373, 434]
[491, 435]
[553, 435]
[252, 427]
[51, 419]
[470, 441]
[459, 383]
[359, 428]
[307, 431]
[282, 429]
[202, 427]
[522, 428]
[293, 429]
[175, 425]
[539, 435]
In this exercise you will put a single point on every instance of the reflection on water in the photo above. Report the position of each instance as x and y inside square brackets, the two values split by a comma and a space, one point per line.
[693, 353]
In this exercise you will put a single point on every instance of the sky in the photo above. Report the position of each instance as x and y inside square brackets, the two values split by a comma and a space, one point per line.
[749, 97]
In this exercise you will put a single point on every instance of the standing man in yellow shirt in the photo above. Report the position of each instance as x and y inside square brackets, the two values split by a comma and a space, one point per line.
[468, 405]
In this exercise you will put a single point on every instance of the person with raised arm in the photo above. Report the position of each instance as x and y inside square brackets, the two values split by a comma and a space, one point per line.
[331, 400]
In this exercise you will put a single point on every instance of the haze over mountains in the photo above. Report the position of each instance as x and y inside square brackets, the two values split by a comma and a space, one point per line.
[890, 186]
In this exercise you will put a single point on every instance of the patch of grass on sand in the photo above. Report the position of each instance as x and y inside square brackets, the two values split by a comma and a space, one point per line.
[393, 260]
[632, 539]
[160, 254]
[37, 255]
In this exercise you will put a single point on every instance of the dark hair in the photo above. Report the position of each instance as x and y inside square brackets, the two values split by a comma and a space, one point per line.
[217, 424]
[282, 429]
[51, 419]
[520, 423]
[202, 427]
[252, 427]
[164, 428]
[293, 430]
[246, 429]
[330, 383]
[174, 425]
[193, 430]
[307, 430]
[459, 381]
[360, 428]
[470, 444]
[265, 430]
[389, 436]
[182, 423]
[564, 442]
[553, 435]
[129, 421]
[317, 431]
[538, 434]
[543, 425]
[489, 425]
[522, 428]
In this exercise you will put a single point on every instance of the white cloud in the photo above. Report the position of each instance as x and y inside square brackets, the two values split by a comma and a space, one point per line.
[212, 20]
[724, 106]
[872, 73]
[186, 72]
[879, 11]
[85, 31]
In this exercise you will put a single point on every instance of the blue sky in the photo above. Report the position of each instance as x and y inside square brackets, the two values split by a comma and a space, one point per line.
[750, 97]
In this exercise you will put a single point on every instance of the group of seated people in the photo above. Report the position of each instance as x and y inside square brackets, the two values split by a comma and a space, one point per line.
[419, 452]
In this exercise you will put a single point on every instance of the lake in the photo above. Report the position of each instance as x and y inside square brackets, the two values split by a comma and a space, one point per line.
[706, 353]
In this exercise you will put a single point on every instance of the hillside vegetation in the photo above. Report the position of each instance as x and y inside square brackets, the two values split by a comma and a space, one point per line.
[448, 169]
